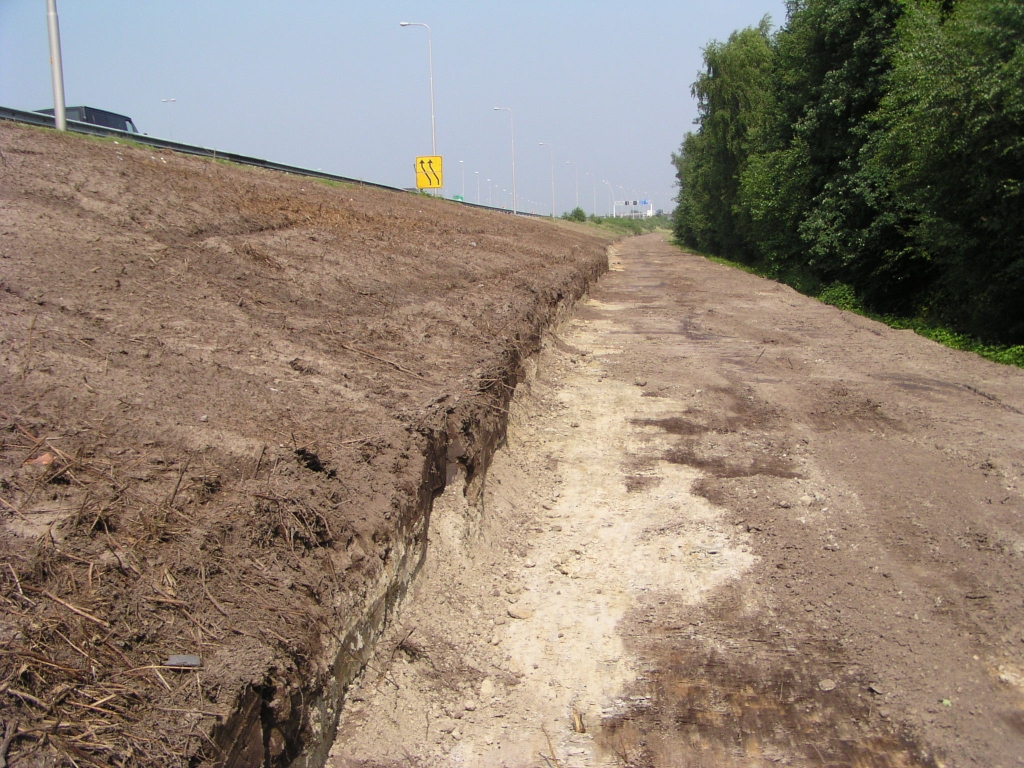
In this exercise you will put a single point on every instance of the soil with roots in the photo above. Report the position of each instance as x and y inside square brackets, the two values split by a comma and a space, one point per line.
[227, 397]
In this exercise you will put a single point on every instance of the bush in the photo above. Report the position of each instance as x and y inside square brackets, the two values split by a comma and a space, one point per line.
[576, 214]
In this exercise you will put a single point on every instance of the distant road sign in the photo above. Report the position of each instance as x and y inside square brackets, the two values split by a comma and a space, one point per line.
[428, 172]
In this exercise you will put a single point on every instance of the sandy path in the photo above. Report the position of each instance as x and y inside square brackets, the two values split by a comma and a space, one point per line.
[567, 495]
[600, 610]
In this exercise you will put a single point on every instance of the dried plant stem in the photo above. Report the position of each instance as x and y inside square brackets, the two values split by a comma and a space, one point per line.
[9, 733]
[79, 611]
[392, 363]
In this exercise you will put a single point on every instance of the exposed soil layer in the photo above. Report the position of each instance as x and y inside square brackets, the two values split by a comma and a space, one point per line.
[732, 527]
[227, 400]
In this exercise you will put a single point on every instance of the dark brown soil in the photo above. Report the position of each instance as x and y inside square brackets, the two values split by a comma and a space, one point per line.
[877, 478]
[227, 399]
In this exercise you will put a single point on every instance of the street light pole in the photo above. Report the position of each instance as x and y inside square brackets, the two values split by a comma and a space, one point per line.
[60, 119]
[430, 62]
[477, 187]
[512, 129]
[489, 193]
[576, 169]
[611, 197]
[552, 148]
[462, 165]
[170, 117]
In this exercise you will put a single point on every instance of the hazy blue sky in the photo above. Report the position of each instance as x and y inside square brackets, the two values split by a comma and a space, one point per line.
[340, 86]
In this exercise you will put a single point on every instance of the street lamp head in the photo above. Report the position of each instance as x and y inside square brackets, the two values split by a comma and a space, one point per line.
[403, 23]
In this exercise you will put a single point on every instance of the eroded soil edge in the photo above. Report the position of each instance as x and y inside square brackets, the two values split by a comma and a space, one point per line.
[227, 399]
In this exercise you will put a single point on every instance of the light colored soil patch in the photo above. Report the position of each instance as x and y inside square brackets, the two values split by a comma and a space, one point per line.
[582, 522]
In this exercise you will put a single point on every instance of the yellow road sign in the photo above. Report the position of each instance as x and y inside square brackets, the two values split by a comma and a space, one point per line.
[428, 172]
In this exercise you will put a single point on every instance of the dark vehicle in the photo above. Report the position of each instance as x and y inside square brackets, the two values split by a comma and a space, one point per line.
[97, 117]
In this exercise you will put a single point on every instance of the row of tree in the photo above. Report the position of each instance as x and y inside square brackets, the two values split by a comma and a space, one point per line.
[875, 144]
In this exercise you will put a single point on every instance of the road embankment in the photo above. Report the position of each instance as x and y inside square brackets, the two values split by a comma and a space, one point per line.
[229, 398]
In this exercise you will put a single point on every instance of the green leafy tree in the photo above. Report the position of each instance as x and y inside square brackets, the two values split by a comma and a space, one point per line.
[950, 140]
[811, 206]
[576, 214]
[731, 93]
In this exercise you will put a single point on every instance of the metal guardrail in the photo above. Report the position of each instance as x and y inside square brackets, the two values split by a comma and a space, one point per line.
[48, 121]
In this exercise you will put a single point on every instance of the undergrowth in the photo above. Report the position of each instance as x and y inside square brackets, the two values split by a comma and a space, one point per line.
[630, 226]
[843, 296]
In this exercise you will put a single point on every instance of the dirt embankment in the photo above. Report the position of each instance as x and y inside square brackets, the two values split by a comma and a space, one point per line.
[228, 398]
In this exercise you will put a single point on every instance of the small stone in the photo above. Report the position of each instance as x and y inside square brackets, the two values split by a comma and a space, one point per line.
[640, 382]
[457, 734]
[501, 620]
[487, 689]
[517, 612]
[806, 500]
[883, 712]
[469, 705]
[186, 660]
[827, 685]
[445, 725]
[876, 689]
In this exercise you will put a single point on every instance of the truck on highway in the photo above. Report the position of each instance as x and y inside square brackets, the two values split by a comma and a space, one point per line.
[97, 117]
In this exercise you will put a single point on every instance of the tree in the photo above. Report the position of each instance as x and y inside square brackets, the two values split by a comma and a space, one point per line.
[730, 92]
[576, 214]
[950, 137]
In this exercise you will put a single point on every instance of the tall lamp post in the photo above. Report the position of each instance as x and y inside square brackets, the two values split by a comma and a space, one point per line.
[462, 166]
[577, 171]
[611, 197]
[477, 187]
[60, 119]
[170, 117]
[512, 129]
[552, 148]
[430, 62]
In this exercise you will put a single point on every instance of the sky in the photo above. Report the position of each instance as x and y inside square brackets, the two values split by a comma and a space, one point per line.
[340, 86]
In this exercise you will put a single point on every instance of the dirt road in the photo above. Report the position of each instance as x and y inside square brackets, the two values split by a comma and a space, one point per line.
[731, 526]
